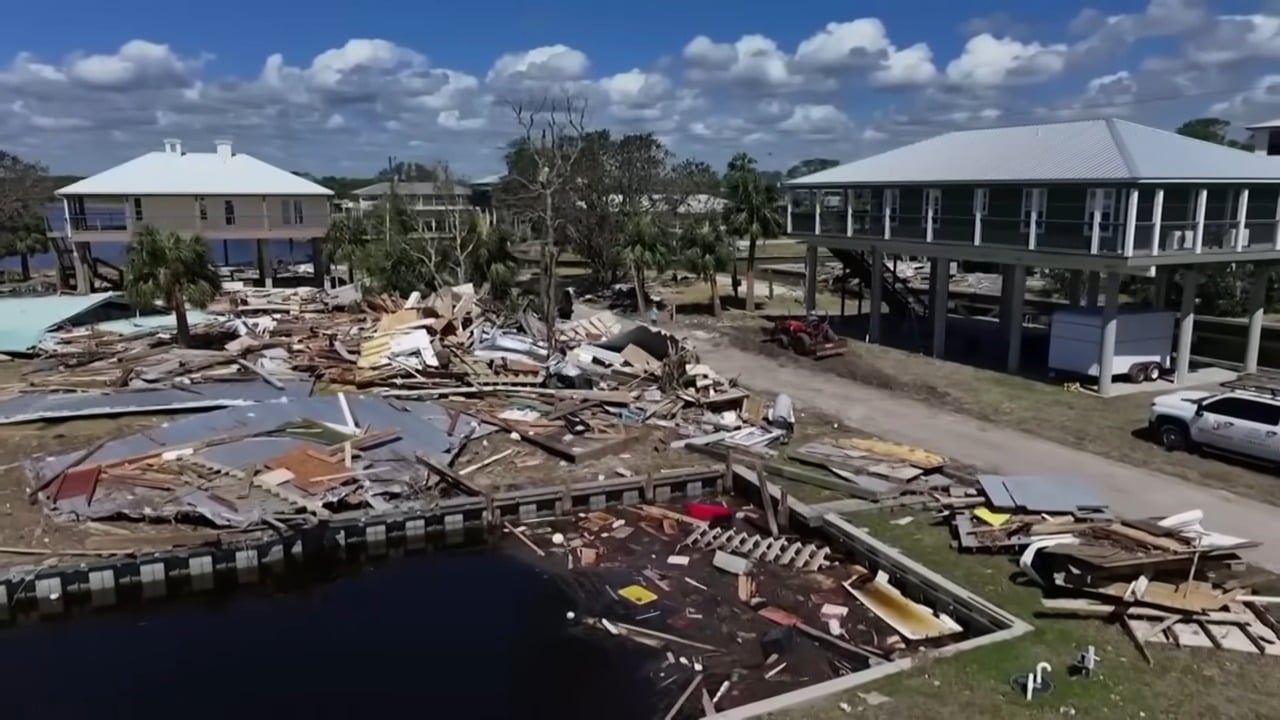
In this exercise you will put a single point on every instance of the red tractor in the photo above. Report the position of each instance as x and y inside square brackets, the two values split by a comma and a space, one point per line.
[810, 337]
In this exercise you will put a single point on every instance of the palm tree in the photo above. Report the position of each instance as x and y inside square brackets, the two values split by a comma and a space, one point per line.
[705, 252]
[167, 268]
[645, 247]
[493, 258]
[752, 212]
[344, 240]
[26, 238]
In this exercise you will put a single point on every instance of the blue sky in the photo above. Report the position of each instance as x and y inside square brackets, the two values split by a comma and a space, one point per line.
[333, 86]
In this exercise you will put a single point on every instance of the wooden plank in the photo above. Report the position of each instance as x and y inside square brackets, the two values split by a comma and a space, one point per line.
[1093, 608]
[823, 480]
[766, 500]
[918, 457]
[1133, 635]
[448, 474]
[150, 540]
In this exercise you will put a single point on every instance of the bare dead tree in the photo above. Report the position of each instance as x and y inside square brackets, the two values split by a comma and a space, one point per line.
[552, 129]
[450, 263]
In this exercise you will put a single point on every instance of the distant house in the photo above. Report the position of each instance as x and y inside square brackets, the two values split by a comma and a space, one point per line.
[1266, 137]
[222, 195]
[432, 203]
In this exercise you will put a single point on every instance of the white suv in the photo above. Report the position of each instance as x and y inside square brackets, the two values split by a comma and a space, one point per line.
[1237, 422]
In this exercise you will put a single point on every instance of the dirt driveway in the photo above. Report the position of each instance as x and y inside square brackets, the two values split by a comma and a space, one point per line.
[1130, 489]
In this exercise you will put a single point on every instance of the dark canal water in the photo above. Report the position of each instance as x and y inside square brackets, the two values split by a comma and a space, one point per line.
[475, 636]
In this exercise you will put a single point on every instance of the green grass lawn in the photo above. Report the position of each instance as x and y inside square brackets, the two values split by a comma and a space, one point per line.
[1190, 683]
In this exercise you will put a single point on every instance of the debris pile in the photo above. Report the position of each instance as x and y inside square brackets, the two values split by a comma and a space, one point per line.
[1162, 579]
[870, 473]
[387, 405]
[267, 465]
[742, 611]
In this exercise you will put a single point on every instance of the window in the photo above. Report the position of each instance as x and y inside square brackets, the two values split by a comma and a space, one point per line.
[1104, 201]
[932, 199]
[1037, 199]
[286, 214]
[297, 212]
[1245, 409]
[891, 205]
[203, 209]
[137, 209]
[861, 204]
[981, 201]
[229, 210]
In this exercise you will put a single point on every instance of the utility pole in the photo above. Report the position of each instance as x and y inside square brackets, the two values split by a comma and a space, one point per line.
[386, 204]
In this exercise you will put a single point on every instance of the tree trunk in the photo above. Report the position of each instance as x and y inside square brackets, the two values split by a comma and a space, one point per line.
[715, 297]
[637, 273]
[179, 306]
[750, 275]
[551, 307]
[26, 266]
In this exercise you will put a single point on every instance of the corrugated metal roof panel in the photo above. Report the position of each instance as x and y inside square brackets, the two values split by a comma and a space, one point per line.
[1078, 151]
[1057, 152]
[423, 426]
[24, 320]
[1160, 154]
[172, 173]
[28, 407]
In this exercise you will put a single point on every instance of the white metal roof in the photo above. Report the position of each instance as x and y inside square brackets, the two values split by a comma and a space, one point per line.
[173, 172]
[414, 188]
[1108, 150]
[1264, 125]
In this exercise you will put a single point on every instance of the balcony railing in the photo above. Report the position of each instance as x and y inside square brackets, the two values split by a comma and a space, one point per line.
[1051, 235]
[212, 225]
[1218, 236]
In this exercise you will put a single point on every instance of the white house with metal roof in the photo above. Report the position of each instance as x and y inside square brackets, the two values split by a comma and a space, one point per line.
[220, 195]
[438, 206]
[1105, 197]
[1265, 137]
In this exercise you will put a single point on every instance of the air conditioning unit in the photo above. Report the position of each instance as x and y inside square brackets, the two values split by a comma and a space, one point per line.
[1179, 240]
[1231, 238]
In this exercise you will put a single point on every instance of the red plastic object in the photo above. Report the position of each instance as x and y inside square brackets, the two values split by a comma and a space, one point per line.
[707, 511]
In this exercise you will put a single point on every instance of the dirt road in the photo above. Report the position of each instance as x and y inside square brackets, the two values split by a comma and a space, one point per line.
[1130, 489]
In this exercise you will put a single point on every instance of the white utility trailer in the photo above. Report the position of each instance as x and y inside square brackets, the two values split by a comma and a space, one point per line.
[1144, 342]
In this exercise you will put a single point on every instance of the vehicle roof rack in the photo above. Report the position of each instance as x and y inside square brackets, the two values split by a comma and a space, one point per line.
[1264, 382]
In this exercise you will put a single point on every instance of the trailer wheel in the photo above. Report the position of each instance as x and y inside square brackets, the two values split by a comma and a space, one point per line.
[1154, 370]
[1137, 372]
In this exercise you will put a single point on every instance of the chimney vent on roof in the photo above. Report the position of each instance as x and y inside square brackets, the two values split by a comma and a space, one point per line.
[173, 146]
[224, 148]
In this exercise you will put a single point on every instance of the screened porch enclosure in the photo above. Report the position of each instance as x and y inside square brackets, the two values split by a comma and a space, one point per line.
[1122, 219]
